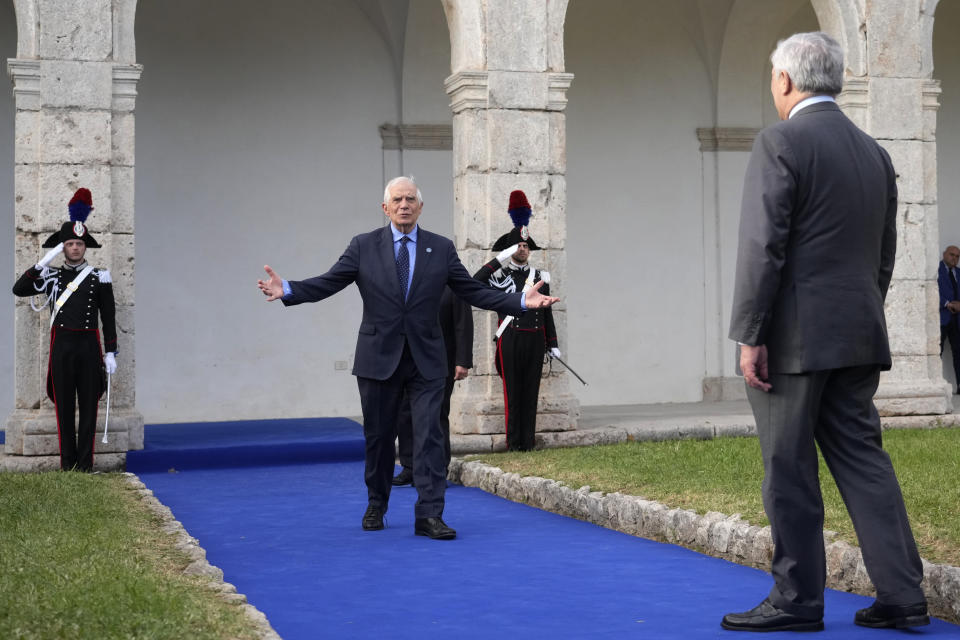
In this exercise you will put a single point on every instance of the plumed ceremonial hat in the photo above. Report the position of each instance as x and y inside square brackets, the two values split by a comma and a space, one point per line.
[80, 206]
[519, 210]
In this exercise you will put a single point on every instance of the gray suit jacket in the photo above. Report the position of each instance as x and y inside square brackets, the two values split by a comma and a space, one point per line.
[389, 321]
[817, 243]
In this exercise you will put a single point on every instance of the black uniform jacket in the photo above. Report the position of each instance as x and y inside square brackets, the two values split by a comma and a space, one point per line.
[513, 280]
[89, 305]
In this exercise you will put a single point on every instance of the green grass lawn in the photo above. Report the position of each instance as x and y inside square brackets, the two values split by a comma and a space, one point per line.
[725, 475]
[81, 557]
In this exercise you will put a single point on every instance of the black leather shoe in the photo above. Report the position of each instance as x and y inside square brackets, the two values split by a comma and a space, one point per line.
[892, 616]
[402, 478]
[767, 617]
[433, 528]
[373, 518]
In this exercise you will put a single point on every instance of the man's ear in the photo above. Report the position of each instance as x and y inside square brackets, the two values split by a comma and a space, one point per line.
[784, 83]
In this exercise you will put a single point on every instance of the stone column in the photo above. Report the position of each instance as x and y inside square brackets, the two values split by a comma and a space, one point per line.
[508, 93]
[890, 94]
[75, 97]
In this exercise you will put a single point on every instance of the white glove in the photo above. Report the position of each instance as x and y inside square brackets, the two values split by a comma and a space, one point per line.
[48, 258]
[507, 253]
[110, 361]
[555, 353]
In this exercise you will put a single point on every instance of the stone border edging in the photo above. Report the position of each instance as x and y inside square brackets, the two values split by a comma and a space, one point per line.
[657, 429]
[715, 534]
[199, 566]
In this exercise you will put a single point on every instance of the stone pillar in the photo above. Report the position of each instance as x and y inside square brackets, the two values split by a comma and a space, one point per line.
[508, 93]
[75, 97]
[890, 94]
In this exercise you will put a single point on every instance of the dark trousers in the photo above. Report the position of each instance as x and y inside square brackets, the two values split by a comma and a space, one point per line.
[951, 331]
[832, 409]
[381, 401]
[405, 427]
[520, 359]
[75, 376]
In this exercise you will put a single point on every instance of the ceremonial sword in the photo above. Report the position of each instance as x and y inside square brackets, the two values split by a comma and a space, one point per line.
[569, 368]
[106, 420]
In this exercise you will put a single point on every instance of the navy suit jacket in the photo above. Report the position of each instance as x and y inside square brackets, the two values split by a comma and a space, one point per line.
[946, 293]
[388, 321]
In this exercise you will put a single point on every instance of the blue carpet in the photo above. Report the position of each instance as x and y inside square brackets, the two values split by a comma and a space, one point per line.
[204, 445]
[289, 537]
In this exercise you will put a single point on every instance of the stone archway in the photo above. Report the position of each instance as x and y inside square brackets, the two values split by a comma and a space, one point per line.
[889, 92]
[946, 67]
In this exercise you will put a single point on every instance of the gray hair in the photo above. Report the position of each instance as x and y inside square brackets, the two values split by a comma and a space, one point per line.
[814, 62]
[398, 179]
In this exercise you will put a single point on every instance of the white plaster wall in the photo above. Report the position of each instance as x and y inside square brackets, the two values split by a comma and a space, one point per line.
[946, 60]
[257, 143]
[745, 101]
[640, 220]
[434, 173]
[8, 49]
[426, 64]
[634, 283]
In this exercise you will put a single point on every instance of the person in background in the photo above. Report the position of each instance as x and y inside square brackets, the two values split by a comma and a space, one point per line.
[523, 340]
[456, 323]
[950, 306]
[80, 298]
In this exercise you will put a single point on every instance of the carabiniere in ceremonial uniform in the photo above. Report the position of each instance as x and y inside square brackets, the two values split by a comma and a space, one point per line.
[80, 298]
[522, 341]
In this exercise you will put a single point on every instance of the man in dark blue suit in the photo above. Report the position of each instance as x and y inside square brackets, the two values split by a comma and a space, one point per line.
[949, 306]
[401, 271]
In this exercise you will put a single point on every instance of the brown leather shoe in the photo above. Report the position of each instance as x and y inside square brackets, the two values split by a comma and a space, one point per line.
[373, 518]
[768, 617]
[892, 616]
[434, 528]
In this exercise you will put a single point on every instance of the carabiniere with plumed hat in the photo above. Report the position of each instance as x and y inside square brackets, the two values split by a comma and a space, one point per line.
[80, 298]
[522, 341]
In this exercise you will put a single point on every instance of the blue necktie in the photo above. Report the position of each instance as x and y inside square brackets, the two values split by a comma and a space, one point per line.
[403, 265]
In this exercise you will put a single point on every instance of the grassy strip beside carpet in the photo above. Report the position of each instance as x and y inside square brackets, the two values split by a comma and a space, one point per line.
[725, 474]
[80, 557]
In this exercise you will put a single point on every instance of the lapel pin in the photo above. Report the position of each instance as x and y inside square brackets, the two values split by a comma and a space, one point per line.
[429, 249]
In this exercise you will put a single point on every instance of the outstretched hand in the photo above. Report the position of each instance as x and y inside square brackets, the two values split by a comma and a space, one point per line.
[536, 300]
[273, 286]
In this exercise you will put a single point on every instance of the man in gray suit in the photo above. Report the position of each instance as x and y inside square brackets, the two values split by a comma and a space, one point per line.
[401, 271]
[816, 251]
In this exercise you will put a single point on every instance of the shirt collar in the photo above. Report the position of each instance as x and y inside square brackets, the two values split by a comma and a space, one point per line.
[397, 235]
[806, 102]
[75, 267]
[518, 267]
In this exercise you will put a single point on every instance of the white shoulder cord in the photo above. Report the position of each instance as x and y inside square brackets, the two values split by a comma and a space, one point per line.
[48, 277]
[526, 287]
